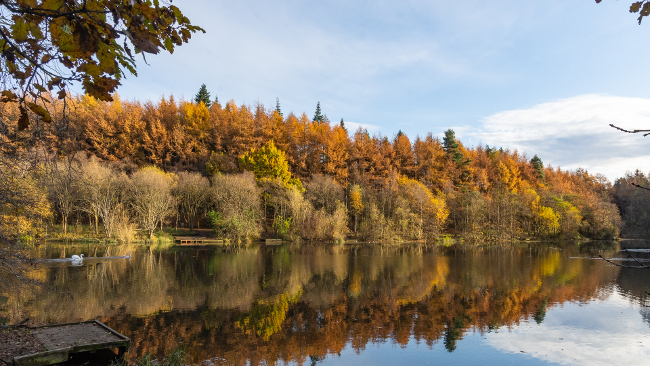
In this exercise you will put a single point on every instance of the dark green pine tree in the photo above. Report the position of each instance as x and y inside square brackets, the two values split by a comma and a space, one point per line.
[318, 116]
[449, 142]
[539, 166]
[342, 124]
[277, 106]
[451, 147]
[203, 96]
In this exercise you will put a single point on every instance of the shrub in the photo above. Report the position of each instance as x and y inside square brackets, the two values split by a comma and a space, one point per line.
[236, 206]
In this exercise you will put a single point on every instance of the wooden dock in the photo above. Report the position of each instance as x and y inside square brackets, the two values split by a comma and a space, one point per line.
[62, 340]
[197, 240]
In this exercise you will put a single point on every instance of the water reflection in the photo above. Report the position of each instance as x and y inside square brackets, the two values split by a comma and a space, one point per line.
[272, 305]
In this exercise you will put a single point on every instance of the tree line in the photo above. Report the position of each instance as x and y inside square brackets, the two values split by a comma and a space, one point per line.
[251, 171]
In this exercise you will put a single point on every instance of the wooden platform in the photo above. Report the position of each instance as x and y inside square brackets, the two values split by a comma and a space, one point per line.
[61, 340]
[197, 240]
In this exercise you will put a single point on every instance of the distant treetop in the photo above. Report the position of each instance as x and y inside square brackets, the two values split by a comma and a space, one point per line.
[277, 106]
[203, 96]
[318, 116]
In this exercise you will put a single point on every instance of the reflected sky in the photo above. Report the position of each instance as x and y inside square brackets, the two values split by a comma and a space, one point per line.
[601, 332]
[532, 304]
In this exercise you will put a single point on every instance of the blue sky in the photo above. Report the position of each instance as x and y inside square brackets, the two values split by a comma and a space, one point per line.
[545, 77]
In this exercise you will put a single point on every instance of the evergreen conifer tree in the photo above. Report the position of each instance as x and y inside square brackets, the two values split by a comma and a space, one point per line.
[277, 106]
[318, 116]
[342, 124]
[539, 167]
[449, 141]
[203, 96]
[451, 147]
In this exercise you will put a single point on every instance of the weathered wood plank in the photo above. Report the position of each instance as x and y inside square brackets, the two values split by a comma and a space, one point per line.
[61, 340]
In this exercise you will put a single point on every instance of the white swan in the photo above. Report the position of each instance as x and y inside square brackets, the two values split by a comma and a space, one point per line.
[77, 258]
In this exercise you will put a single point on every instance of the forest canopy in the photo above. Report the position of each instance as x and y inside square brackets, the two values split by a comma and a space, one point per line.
[314, 179]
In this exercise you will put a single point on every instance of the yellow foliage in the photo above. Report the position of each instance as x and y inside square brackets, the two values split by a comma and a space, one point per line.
[570, 216]
[433, 209]
[510, 175]
[269, 163]
[548, 221]
[266, 317]
[27, 218]
[354, 289]
[356, 200]
[531, 199]
[196, 118]
[550, 264]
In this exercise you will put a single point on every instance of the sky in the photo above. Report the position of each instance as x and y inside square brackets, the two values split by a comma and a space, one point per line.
[545, 77]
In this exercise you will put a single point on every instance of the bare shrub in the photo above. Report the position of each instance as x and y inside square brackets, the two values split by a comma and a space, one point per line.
[324, 192]
[62, 180]
[315, 224]
[102, 193]
[191, 192]
[236, 206]
[150, 197]
[339, 222]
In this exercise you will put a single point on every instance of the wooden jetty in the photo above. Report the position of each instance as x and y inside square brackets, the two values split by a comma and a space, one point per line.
[62, 340]
[197, 240]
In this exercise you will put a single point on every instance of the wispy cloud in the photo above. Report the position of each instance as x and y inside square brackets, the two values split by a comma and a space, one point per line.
[352, 127]
[575, 132]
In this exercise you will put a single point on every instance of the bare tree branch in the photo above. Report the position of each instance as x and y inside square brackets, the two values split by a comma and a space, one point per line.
[632, 131]
[638, 186]
[625, 266]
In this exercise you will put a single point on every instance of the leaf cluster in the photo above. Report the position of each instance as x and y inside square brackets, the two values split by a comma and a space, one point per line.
[47, 45]
[641, 7]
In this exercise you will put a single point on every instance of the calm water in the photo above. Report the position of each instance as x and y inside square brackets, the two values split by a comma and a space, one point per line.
[533, 304]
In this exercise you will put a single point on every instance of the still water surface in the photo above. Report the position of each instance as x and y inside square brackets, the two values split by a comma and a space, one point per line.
[529, 304]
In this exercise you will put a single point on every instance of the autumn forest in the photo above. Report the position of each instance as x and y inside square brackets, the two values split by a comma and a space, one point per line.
[252, 172]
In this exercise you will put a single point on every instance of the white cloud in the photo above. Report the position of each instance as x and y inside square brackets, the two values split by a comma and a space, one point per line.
[575, 132]
[352, 127]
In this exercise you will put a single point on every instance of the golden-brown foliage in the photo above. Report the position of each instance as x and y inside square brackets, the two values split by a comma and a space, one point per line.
[490, 193]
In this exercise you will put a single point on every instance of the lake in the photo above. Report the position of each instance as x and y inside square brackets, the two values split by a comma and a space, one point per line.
[530, 303]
